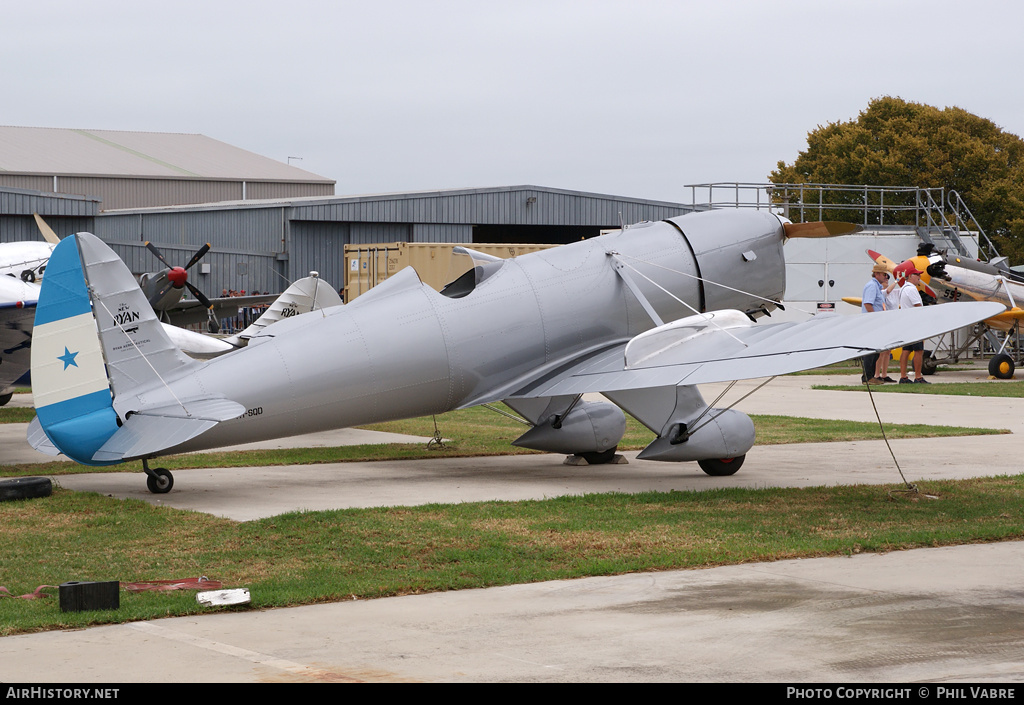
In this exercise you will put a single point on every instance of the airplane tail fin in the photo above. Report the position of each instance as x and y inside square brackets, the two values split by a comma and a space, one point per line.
[304, 296]
[95, 335]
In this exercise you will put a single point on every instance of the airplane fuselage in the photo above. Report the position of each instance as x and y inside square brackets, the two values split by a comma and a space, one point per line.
[957, 283]
[405, 350]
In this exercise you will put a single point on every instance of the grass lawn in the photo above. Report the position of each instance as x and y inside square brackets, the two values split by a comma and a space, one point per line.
[1007, 388]
[310, 557]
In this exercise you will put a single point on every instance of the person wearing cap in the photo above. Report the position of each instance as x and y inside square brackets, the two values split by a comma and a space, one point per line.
[910, 297]
[872, 300]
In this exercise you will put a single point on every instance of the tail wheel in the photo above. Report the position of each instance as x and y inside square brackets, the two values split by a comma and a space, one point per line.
[1001, 366]
[160, 481]
[720, 467]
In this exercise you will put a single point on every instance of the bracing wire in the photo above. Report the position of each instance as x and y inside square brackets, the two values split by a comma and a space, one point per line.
[910, 488]
[708, 281]
[143, 356]
[707, 316]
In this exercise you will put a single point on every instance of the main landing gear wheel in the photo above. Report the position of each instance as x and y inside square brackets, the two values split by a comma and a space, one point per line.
[600, 458]
[1001, 366]
[928, 363]
[720, 467]
[159, 481]
[4, 398]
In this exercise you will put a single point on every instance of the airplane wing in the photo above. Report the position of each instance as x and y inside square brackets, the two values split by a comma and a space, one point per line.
[726, 345]
[16, 319]
[1007, 317]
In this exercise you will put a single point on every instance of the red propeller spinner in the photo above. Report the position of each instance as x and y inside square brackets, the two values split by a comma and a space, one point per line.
[178, 276]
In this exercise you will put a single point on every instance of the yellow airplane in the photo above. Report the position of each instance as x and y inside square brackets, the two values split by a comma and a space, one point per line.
[949, 277]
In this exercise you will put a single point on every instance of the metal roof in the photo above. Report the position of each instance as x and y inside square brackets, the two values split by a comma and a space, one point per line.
[60, 151]
[428, 195]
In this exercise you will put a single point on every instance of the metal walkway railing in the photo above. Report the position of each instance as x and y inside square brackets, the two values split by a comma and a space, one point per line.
[940, 218]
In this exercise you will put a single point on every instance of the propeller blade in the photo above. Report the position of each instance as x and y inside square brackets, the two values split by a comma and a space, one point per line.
[155, 298]
[198, 255]
[159, 255]
[200, 296]
[821, 228]
[46, 230]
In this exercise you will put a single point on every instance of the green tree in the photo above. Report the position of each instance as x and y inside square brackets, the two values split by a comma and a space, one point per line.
[899, 143]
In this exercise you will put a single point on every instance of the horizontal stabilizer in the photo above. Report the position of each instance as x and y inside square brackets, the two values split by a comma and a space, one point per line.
[154, 430]
[37, 438]
[719, 347]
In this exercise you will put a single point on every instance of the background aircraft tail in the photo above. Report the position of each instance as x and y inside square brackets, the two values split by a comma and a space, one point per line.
[304, 296]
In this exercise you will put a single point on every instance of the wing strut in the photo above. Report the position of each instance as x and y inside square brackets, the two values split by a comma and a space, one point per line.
[620, 269]
[722, 411]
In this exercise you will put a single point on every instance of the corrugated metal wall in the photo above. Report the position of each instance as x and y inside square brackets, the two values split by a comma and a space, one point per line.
[257, 245]
[64, 214]
[279, 189]
[133, 192]
[318, 247]
[34, 182]
[513, 206]
[19, 228]
[228, 269]
[362, 233]
[443, 232]
[250, 229]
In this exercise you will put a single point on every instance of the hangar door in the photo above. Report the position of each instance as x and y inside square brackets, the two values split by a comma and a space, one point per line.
[318, 247]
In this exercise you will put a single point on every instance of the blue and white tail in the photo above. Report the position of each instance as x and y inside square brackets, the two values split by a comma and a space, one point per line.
[95, 335]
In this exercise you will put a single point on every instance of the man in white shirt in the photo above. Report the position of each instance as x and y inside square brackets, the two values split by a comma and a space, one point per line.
[910, 297]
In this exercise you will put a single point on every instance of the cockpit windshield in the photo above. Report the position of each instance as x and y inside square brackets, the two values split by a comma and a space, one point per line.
[481, 267]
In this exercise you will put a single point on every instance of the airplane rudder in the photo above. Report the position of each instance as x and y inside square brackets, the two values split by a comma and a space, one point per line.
[70, 387]
[135, 347]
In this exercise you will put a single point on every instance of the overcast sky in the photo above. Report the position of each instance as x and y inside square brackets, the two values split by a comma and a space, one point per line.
[629, 98]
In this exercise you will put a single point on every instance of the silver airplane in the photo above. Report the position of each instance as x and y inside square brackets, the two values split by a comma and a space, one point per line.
[641, 315]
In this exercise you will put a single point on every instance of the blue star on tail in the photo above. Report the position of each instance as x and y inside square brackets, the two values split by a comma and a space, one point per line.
[68, 358]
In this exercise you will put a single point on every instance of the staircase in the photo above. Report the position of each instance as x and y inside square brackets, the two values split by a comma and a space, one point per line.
[954, 227]
[940, 218]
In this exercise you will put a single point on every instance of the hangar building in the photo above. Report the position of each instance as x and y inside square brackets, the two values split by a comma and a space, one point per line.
[132, 169]
[257, 245]
[268, 222]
